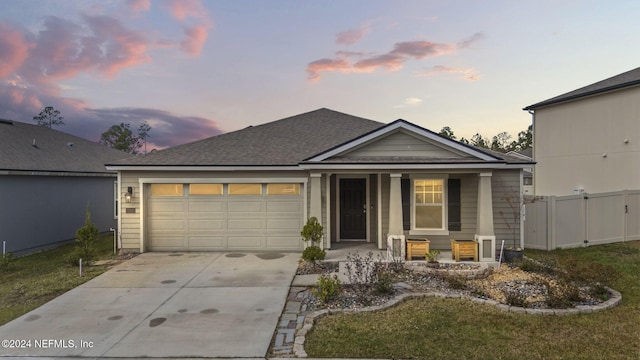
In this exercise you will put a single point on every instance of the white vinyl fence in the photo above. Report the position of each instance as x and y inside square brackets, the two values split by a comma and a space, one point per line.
[552, 222]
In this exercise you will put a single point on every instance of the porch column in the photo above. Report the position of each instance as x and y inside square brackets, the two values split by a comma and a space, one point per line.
[485, 235]
[315, 208]
[395, 205]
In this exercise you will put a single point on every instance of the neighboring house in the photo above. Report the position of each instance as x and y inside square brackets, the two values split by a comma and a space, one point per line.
[527, 174]
[47, 180]
[588, 140]
[253, 189]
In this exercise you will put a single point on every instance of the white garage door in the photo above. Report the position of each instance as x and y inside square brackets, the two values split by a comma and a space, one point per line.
[205, 217]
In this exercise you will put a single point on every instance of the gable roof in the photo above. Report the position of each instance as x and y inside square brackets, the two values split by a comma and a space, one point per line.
[283, 142]
[464, 153]
[626, 79]
[26, 147]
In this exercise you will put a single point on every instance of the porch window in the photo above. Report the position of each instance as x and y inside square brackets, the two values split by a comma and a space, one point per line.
[428, 196]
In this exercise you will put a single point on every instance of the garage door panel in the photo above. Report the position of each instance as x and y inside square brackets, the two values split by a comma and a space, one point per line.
[235, 207]
[244, 224]
[206, 225]
[207, 206]
[169, 206]
[167, 225]
[207, 242]
[284, 206]
[283, 224]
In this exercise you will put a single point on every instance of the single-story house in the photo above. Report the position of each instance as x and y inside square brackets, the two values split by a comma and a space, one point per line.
[253, 189]
[47, 180]
[588, 139]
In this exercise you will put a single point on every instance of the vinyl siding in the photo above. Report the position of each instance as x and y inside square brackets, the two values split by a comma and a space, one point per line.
[401, 144]
[506, 203]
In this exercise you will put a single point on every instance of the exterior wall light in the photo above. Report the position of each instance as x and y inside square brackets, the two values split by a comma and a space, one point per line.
[129, 194]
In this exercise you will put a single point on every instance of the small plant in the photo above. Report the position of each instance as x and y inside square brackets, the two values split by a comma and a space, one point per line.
[600, 292]
[561, 295]
[360, 270]
[86, 237]
[327, 288]
[384, 282]
[312, 231]
[513, 297]
[5, 261]
[313, 253]
[432, 256]
[456, 282]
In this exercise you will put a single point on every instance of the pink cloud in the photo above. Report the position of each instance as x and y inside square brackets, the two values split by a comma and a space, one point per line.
[351, 36]
[467, 74]
[195, 39]
[181, 9]
[14, 50]
[391, 61]
[139, 5]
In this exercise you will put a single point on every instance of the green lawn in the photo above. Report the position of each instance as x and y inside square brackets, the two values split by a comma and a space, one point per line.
[460, 329]
[35, 279]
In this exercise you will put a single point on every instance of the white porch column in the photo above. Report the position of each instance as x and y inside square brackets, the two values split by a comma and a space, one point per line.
[316, 201]
[395, 205]
[485, 235]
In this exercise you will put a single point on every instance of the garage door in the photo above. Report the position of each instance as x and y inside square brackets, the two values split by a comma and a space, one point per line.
[206, 217]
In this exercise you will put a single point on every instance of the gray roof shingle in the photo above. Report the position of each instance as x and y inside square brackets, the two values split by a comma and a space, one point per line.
[54, 151]
[626, 79]
[279, 143]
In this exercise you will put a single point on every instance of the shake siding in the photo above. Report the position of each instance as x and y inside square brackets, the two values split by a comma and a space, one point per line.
[506, 185]
[401, 144]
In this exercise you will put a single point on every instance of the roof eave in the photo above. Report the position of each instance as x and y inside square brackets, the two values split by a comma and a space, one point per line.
[582, 95]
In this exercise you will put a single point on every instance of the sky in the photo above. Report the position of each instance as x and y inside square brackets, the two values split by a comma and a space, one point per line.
[193, 69]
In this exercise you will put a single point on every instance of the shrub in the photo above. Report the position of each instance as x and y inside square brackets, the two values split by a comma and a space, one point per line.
[327, 288]
[361, 271]
[456, 282]
[312, 231]
[600, 292]
[515, 298]
[86, 237]
[384, 282]
[542, 266]
[561, 295]
[313, 253]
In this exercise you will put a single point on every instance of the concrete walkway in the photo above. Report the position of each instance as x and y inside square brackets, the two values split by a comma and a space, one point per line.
[169, 305]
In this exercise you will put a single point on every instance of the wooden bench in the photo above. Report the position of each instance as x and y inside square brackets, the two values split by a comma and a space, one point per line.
[464, 249]
[418, 248]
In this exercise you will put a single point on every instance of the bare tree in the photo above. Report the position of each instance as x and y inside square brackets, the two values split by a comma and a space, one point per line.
[49, 117]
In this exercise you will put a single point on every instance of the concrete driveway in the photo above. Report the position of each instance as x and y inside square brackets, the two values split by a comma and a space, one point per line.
[163, 305]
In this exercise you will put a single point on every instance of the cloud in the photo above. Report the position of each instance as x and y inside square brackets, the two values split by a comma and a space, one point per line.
[14, 50]
[196, 36]
[167, 129]
[181, 9]
[467, 74]
[350, 62]
[139, 5]
[411, 101]
[33, 66]
[352, 36]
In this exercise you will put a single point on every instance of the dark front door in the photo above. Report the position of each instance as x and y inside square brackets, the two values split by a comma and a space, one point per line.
[353, 209]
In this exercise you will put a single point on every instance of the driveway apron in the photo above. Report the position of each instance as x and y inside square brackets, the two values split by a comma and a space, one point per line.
[163, 305]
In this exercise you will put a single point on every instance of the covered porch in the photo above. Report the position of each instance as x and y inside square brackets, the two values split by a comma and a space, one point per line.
[360, 209]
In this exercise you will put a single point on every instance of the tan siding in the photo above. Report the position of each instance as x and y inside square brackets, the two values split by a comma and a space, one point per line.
[385, 180]
[401, 144]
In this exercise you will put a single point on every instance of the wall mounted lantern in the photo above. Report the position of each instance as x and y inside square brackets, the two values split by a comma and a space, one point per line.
[129, 194]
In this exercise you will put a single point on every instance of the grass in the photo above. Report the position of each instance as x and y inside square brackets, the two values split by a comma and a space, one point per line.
[460, 329]
[35, 279]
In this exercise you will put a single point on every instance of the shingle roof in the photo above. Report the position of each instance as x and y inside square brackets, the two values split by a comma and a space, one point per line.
[626, 79]
[54, 151]
[283, 142]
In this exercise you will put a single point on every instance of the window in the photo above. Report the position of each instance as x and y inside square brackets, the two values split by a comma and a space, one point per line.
[245, 189]
[283, 189]
[205, 189]
[167, 189]
[527, 180]
[428, 204]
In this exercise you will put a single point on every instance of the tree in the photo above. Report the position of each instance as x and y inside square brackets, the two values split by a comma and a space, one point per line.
[447, 132]
[122, 138]
[143, 132]
[49, 117]
[500, 142]
[525, 139]
[480, 141]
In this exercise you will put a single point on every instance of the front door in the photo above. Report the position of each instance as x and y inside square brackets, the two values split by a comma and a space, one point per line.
[353, 209]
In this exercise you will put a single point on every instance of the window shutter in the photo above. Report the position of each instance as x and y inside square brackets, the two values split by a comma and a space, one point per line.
[455, 223]
[405, 186]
